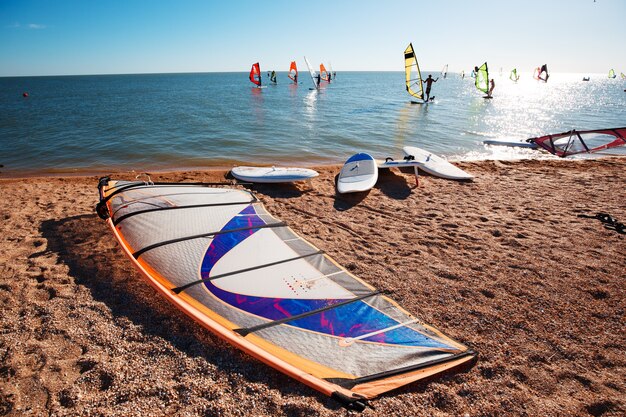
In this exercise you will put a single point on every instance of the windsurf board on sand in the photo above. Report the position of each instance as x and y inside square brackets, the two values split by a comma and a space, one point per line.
[272, 174]
[359, 173]
[511, 143]
[435, 165]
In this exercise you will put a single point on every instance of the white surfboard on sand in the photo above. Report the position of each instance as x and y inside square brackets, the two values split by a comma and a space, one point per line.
[272, 174]
[359, 173]
[435, 165]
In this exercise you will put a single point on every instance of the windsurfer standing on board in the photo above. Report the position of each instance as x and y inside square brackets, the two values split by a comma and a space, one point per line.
[429, 82]
[492, 85]
[319, 80]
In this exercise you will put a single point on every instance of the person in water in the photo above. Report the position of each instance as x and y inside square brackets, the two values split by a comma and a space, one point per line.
[273, 77]
[429, 82]
[492, 85]
[319, 79]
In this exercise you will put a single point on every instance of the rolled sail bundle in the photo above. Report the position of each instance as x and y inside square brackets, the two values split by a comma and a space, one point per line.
[220, 257]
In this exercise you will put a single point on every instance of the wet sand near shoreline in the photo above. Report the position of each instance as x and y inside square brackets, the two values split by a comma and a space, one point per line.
[503, 264]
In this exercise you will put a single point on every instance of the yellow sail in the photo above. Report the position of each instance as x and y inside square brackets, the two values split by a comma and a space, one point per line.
[414, 83]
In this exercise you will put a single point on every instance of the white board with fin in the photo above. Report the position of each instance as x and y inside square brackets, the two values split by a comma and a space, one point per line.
[436, 165]
[358, 174]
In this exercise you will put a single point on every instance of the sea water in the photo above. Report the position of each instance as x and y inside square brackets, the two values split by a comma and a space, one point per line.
[180, 121]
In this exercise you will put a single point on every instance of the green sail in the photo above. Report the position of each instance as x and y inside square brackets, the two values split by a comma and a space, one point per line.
[514, 76]
[611, 73]
[482, 78]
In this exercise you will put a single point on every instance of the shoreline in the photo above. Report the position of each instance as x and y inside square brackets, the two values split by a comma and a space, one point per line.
[88, 172]
[503, 264]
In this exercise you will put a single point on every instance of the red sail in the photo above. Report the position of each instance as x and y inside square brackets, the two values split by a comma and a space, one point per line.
[581, 141]
[293, 72]
[323, 72]
[255, 74]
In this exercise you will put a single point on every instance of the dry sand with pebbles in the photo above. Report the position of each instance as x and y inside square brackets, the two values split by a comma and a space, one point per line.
[502, 264]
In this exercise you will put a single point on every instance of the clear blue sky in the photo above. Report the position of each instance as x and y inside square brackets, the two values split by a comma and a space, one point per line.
[146, 36]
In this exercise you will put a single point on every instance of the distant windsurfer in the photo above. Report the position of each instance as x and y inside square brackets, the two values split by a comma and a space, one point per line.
[429, 82]
[273, 77]
[492, 85]
[318, 80]
[544, 68]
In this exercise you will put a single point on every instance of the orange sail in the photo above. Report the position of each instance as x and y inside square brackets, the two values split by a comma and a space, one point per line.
[293, 72]
[255, 74]
[323, 72]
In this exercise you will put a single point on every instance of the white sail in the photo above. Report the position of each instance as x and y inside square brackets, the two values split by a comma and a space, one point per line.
[311, 71]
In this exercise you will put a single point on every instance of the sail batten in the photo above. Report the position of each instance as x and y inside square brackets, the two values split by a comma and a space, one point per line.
[413, 75]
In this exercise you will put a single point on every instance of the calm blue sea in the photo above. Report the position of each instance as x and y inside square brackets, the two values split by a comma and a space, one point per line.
[176, 121]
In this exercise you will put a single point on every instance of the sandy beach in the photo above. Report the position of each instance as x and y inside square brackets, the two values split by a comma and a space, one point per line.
[503, 264]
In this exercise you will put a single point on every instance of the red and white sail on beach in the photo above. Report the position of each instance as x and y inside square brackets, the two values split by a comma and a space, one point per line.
[581, 141]
[255, 74]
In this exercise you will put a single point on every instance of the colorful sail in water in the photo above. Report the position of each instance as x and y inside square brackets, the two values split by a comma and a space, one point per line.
[220, 257]
[612, 73]
[583, 141]
[323, 72]
[293, 72]
[513, 76]
[255, 74]
[482, 78]
[444, 71]
[473, 74]
[623, 75]
[414, 84]
[312, 72]
[541, 73]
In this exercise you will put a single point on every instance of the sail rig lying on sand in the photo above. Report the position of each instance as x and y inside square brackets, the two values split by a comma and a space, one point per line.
[221, 258]
[581, 141]
[572, 142]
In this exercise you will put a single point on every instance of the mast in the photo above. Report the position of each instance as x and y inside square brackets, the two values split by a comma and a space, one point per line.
[311, 71]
